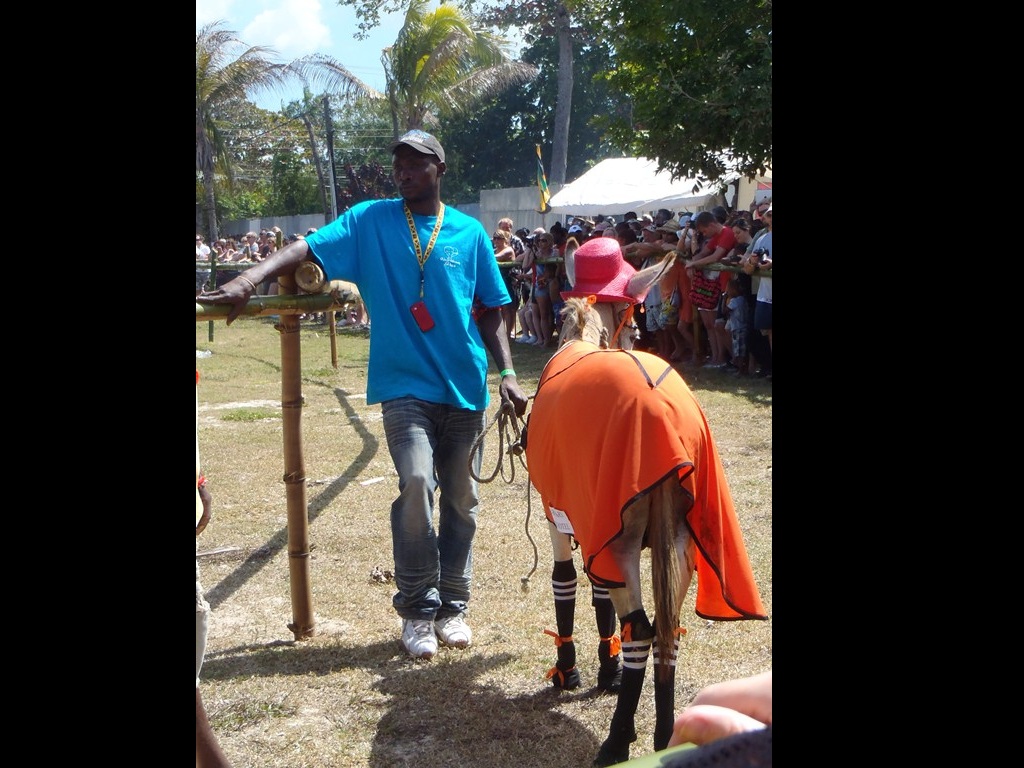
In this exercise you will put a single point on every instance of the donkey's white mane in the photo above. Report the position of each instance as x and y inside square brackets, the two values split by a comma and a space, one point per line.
[582, 321]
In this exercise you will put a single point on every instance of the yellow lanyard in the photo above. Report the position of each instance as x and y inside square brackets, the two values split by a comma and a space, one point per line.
[421, 256]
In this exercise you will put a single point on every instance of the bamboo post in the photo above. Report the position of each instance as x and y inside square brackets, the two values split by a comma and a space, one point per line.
[697, 325]
[213, 286]
[302, 625]
[332, 324]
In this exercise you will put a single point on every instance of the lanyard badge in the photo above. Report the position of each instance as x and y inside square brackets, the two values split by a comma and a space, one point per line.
[419, 310]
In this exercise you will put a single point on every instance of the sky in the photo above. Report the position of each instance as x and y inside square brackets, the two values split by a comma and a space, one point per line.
[295, 28]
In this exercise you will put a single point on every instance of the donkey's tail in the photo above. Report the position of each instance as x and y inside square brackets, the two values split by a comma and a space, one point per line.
[666, 517]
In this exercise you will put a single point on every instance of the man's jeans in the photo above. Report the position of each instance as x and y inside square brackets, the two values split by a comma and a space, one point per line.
[430, 445]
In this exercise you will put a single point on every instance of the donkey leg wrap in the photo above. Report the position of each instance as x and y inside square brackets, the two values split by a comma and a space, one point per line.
[609, 676]
[664, 691]
[637, 636]
[563, 587]
[622, 731]
[564, 674]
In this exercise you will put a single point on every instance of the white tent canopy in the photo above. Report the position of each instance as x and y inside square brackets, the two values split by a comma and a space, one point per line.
[621, 184]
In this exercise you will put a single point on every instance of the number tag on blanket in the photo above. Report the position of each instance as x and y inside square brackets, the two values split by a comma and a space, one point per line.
[561, 521]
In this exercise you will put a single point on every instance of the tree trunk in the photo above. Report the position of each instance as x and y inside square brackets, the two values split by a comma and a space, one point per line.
[563, 105]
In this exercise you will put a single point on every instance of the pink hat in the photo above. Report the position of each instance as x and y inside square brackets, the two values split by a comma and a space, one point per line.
[600, 271]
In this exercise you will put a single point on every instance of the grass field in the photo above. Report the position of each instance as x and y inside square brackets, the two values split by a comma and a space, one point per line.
[349, 696]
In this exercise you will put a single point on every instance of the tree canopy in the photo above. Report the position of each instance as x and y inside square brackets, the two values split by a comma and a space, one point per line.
[697, 75]
[443, 64]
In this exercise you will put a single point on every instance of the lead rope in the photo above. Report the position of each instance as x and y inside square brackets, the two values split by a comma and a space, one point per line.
[507, 415]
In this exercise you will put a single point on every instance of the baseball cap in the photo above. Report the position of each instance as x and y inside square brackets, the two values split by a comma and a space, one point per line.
[575, 228]
[422, 142]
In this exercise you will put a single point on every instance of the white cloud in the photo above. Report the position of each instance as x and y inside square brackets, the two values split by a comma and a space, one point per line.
[293, 28]
[213, 10]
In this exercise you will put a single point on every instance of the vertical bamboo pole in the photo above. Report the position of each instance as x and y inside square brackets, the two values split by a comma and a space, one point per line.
[302, 625]
[697, 325]
[213, 286]
[332, 324]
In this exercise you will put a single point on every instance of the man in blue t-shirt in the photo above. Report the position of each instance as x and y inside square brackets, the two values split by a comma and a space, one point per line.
[428, 278]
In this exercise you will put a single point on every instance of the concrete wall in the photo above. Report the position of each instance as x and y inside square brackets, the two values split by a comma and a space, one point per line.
[519, 204]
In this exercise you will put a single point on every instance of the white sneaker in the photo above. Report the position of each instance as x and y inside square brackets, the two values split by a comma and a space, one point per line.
[418, 638]
[526, 339]
[453, 631]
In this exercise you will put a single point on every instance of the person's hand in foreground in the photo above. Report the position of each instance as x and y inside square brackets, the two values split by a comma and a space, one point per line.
[724, 709]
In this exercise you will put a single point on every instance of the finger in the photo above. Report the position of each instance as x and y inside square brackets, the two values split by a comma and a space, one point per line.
[704, 723]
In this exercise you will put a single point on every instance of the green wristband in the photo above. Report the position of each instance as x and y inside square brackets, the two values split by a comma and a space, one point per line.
[507, 372]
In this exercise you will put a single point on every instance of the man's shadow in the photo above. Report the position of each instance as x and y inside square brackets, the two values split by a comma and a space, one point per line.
[442, 712]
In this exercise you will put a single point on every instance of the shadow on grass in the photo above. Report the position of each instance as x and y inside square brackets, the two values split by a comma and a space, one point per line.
[439, 707]
[531, 362]
[756, 390]
[315, 504]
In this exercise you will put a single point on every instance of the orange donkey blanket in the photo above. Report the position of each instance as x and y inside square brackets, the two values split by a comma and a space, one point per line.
[606, 427]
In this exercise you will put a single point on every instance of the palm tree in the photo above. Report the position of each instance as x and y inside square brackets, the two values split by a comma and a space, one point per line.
[228, 70]
[441, 65]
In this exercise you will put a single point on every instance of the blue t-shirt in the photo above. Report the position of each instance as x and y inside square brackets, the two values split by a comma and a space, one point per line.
[371, 246]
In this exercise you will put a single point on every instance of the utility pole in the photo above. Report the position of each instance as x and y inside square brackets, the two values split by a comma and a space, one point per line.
[330, 158]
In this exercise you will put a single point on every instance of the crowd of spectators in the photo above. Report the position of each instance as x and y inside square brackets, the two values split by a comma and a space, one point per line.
[726, 337]
[242, 250]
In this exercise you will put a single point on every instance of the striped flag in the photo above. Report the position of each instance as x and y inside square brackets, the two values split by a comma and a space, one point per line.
[542, 185]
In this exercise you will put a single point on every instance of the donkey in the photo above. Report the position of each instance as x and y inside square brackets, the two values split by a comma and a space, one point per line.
[623, 458]
[613, 327]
